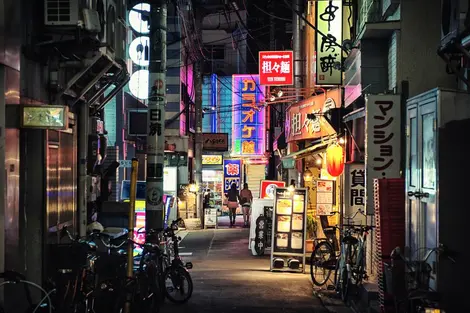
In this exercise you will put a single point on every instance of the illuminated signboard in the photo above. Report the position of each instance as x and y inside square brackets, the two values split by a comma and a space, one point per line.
[232, 174]
[45, 117]
[306, 120]
[248, 116]
[211, 159]
[276, 67]
[329, 54]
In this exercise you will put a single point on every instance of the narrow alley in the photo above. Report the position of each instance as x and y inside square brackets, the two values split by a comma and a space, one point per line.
[228, 279]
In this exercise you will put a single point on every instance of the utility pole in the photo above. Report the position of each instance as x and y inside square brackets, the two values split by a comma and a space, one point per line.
[198, 106]
[156, 115]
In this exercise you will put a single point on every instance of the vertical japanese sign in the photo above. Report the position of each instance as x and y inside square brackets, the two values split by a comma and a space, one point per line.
[248, 116]
[354, 188]
[232, 174]
[276, 68]
[383, 132]
[329, 54]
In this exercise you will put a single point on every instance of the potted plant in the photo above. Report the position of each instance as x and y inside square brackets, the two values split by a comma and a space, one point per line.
[311, 232]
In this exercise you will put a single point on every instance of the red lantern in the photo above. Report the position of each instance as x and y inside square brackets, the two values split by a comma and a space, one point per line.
[335, 160]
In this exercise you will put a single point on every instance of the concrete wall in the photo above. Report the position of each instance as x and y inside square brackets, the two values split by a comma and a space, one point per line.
[419, 39]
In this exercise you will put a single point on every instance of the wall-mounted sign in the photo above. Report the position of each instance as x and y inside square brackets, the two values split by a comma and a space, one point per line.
[139, 51]
[208, 159]
[329, 54]
[289, 224]
[354, 189]
[276, 68]
[170, 177]
[305, 119]
[382, 156]
[45, 117]
[268, 188]
[325, 196]
[232, 173]
[139, 84]
[215, 141]
[139, 18]
[248, 116]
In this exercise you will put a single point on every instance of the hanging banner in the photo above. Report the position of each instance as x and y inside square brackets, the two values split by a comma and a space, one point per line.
[329, 54]
[276, 68]
[306, 120]
[289, 224]
[232, 173]
[248, 116]
[382, 142]
[354, 189]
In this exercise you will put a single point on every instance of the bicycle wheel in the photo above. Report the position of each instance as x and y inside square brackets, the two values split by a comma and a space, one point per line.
[341, 280]
[179, 285]
[320, 269]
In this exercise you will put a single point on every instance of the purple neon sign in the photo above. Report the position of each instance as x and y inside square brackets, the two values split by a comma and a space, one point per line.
[248, 115]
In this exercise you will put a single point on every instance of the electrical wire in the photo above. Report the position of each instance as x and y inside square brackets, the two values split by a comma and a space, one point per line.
[272, 15]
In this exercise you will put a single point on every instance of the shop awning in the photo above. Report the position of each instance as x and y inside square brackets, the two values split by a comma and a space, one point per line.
[354, 115]
[315, 149]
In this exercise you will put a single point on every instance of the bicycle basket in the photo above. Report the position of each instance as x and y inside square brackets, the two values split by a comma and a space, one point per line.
[66, 258]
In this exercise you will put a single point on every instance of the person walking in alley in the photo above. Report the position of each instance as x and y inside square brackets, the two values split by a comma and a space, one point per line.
[246, 200]
[233, 199]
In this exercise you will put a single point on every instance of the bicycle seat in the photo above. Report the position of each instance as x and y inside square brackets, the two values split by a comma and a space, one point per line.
[350, 240]
[330, 228]
[114, 232]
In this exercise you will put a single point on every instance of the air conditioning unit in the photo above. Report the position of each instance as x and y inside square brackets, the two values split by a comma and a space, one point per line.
[109, 18]
[71, 13]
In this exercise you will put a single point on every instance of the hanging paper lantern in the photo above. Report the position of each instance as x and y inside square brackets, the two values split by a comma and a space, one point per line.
[335, 160]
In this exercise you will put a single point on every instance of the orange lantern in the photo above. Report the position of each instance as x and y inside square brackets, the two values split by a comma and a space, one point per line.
[335, 160]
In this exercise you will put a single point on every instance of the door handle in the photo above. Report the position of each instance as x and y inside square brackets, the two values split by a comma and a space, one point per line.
[418, 194]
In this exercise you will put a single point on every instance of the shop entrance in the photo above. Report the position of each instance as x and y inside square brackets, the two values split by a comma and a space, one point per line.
[212, 184]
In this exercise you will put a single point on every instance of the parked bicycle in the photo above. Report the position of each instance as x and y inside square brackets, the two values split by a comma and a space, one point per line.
[176, 271]
[350, 268]
[43, 306]
[408, 281]
[324, 258]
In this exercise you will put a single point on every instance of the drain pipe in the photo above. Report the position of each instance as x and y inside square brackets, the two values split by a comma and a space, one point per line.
[82, 194]
[297, 46]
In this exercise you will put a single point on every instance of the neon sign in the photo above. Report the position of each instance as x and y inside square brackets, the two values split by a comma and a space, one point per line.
[248, 115]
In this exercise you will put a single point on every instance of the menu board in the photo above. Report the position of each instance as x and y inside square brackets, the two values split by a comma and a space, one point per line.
[289, 217]
[325, 196]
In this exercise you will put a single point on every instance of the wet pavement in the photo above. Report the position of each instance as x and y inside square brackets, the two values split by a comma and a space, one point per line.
[227, 278]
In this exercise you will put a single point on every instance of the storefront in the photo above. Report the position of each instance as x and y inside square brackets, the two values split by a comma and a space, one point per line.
[317, 153]
[212, 181]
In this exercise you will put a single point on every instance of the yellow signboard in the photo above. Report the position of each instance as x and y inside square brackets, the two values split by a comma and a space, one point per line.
[328, 42]
[211, 159]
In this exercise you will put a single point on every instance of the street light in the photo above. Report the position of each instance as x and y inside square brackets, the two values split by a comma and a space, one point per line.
[193, 188]
[308, 175]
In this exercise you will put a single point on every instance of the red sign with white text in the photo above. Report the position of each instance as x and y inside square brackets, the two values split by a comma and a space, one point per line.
[268, 187]
[276, 68]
